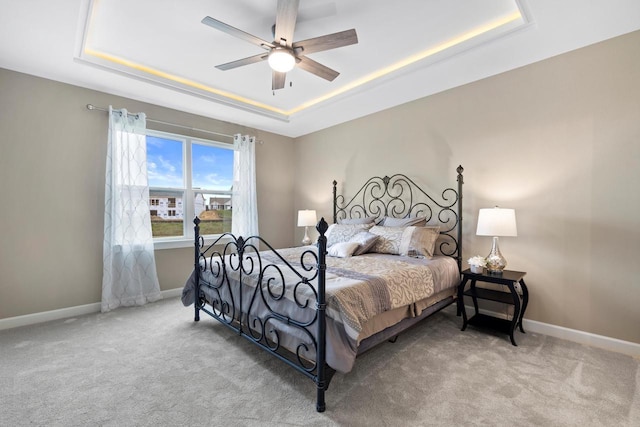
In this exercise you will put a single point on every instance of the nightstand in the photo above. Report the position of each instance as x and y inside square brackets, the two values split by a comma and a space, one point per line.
[509, 279]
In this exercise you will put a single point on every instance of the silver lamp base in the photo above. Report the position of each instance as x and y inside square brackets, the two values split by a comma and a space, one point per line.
[495, 261]
[307, 240]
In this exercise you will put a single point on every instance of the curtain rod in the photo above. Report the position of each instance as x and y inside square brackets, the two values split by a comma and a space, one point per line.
[93, 107]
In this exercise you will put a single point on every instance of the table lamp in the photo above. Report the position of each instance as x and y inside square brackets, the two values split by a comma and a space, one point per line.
[496, 222]
[306, 218]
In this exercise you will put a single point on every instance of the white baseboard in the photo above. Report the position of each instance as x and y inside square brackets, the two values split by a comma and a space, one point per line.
[47, 316]
[63, 313]
[170, 293]
[601, 341]
[581, 337]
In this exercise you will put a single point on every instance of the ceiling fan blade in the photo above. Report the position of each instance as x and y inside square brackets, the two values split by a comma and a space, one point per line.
[277, 80]
[316, 68]
[286, 21]
[240, 62]
[329, 41]
[233, 31]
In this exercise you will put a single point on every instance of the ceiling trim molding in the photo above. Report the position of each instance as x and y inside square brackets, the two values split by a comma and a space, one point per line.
[132, 69]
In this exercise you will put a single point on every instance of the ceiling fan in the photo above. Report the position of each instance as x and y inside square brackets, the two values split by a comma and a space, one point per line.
[283, 53]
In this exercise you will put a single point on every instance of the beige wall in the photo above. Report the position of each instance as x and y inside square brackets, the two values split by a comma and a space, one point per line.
[52, 163]
[559, 141]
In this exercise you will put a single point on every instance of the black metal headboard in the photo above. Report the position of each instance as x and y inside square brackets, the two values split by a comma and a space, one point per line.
[398, 196]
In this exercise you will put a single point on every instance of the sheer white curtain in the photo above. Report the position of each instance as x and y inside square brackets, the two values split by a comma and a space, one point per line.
[244, 220]
[129, 275]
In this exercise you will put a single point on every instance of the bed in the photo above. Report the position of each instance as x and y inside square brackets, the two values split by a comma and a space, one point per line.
[390, 258]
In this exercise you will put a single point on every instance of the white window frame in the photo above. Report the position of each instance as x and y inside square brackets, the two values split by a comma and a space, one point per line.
[188, 208]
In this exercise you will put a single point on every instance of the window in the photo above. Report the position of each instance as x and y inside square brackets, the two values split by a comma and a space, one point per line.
[188, 177]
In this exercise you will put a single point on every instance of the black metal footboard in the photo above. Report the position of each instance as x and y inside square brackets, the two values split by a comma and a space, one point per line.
[266, 300]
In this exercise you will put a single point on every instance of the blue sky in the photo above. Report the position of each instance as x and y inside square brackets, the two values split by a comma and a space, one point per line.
[212, 166]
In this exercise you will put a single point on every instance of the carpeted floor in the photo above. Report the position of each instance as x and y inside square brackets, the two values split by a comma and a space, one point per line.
[153, 365]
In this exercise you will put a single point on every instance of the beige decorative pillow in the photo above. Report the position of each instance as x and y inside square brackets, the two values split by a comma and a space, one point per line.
[389, 240]
[338, 233]
[422, 240]
[405, 240]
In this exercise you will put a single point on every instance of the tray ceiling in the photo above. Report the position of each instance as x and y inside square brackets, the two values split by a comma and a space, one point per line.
[159, 51]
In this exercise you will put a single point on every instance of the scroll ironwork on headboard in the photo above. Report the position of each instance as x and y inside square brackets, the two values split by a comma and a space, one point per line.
[399, 196]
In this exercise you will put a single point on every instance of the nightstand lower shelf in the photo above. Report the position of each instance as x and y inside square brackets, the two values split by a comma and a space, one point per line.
[490, 295]
[489, 322]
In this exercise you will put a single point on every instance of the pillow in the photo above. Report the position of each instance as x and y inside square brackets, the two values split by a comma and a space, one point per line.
[405, 240]
[338, 233]
[343, 250]
[389, 221]
[388, 241]
[365, 241]
[422, 240]
[365, 220]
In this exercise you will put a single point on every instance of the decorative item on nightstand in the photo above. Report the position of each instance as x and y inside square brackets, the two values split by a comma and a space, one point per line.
[477, 264]
[496, 222]
[306, 218]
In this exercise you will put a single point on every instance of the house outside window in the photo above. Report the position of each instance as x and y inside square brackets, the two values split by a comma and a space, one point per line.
[185, 175]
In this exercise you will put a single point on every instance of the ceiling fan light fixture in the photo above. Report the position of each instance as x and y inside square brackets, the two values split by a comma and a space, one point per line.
[281, 60]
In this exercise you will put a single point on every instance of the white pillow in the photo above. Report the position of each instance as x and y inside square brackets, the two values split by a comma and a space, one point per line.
[343, 250]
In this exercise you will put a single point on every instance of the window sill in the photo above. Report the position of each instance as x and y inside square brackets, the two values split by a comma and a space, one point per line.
[181, 242]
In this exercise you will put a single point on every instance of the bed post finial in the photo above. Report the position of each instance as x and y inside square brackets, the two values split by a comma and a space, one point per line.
[322, 227]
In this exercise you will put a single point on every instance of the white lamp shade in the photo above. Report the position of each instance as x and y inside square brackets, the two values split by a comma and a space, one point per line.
[307, 218]
[497, 222]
